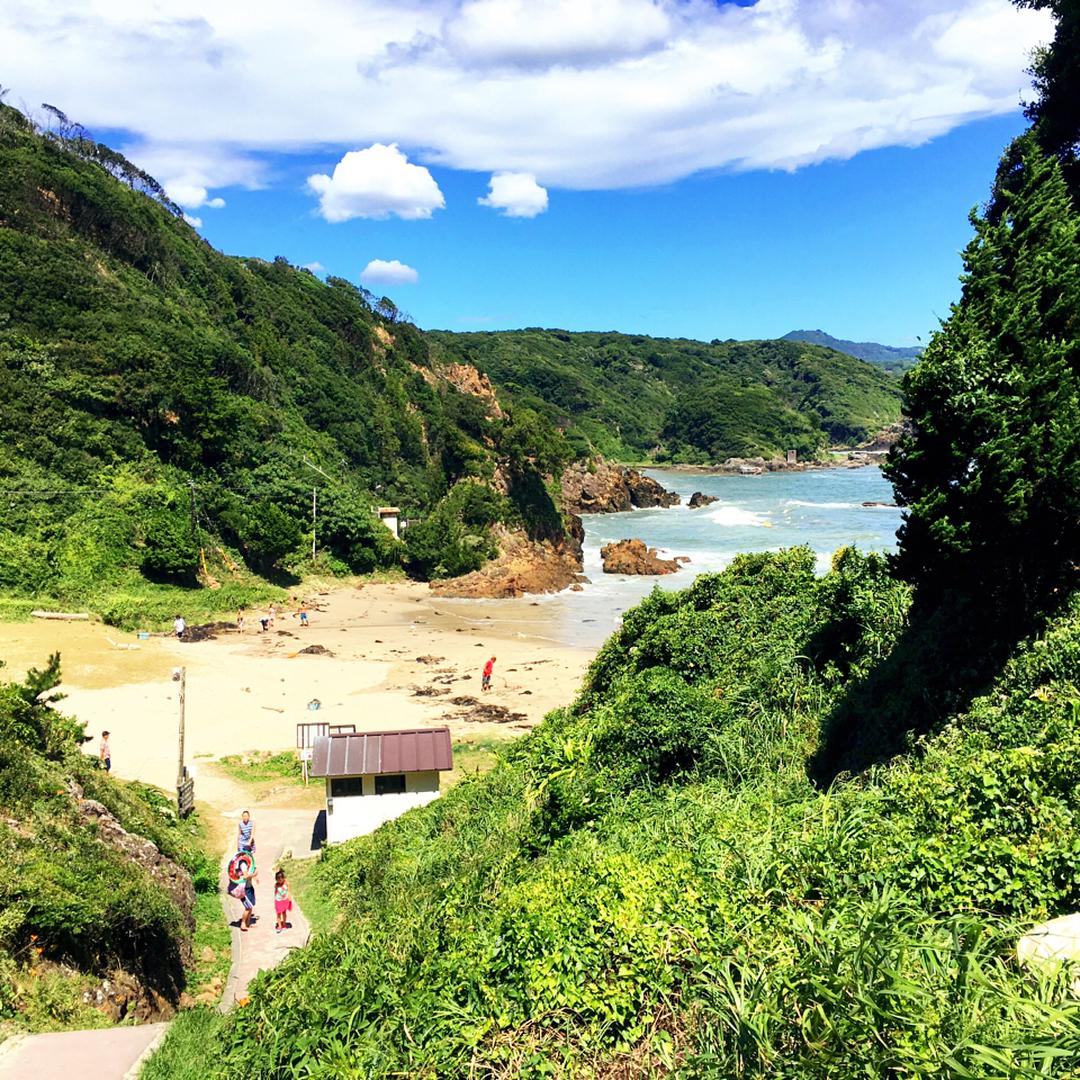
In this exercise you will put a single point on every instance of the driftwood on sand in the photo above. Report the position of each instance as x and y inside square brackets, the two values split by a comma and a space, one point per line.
[37, 613]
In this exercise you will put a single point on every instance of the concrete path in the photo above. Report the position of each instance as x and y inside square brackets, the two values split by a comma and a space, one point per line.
[114, 1053]
[276, 831]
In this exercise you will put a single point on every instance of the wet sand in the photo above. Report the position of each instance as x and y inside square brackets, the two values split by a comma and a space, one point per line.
[400, 658]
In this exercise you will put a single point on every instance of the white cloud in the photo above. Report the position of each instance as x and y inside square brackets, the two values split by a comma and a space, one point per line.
[315, 267]
[193, 221]
[375, 183]
[578, 93]
[542, 32]
[388, 272]
[515, 195]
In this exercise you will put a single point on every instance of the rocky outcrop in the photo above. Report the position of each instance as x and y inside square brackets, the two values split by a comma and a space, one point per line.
[467, 380]
[522, 566]
[633, 557]
[610, 489]
[698, 500]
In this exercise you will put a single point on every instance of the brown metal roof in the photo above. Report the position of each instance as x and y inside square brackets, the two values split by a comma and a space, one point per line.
[368, 752]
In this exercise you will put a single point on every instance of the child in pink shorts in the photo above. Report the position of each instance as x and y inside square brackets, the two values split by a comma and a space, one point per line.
[282, 901]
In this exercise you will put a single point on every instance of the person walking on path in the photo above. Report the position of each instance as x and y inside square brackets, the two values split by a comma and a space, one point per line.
[282, 901]
[105, 752]
[245, 833]
[179, 626]
[245, 893]
[485, 681]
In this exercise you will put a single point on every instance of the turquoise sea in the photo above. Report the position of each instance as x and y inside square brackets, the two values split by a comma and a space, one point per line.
[821, 509]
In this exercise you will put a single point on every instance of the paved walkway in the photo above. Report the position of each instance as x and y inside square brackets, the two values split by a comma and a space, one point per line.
[276, 831]
[117, 1053]
[101, 1054]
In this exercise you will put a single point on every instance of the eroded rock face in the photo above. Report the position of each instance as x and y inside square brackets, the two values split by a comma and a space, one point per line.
[633, 557]
[698, 500]
[522, 566]
[610, 489]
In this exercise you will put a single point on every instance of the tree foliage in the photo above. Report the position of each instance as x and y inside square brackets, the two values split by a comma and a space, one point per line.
[991, 475]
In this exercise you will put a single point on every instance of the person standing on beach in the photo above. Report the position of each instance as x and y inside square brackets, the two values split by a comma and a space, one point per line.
[271, 612]
[240, 620]
[105, 752]
[485, 681]
[179, 626]
[301, 614]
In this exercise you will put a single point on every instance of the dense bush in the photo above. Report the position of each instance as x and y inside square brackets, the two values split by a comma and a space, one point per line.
[652, 881]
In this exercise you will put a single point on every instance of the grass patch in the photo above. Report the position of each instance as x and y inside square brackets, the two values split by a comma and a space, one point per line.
[473, 757]
[213, 950]
[262, 766]
[311, 895]
[182, 1054]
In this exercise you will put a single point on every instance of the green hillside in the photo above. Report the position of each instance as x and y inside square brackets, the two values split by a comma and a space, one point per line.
[631, 397]
[167, 410]
[101, 880]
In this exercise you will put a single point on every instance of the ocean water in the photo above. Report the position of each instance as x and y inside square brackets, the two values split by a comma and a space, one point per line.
[821, 509]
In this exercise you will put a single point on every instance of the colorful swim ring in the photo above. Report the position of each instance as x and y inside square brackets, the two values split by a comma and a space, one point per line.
[241, 866]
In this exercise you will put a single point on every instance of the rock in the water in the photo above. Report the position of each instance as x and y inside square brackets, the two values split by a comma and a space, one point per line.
[633, 557]
[700, 499]
[878, 504]
[611, 489]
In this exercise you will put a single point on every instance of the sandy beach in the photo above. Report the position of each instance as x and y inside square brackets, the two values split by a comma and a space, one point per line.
[396, 658]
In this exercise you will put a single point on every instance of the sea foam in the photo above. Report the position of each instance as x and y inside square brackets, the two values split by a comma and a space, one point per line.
[736, 516]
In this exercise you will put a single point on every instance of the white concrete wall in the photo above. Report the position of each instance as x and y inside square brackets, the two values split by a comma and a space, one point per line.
[358, 815]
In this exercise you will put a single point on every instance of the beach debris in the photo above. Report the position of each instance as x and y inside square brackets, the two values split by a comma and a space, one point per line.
[430, 659]
[478, 713]
[121, 644]
[272, 708]
[464, 700]
[315, 650]
[81, 616]
[428, 691]
[206, 632]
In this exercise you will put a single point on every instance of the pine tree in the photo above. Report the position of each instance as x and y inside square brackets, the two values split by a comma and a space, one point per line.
[991, 474]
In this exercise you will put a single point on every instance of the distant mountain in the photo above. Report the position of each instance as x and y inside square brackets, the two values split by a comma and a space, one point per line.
[891, 357]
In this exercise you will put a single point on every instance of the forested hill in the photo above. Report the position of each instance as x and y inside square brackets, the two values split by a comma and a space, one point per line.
[636, 397]
[166, 410]
[894, 358]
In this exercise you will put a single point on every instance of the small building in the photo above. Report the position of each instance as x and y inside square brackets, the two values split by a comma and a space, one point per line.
[390, 516]
[375, 776]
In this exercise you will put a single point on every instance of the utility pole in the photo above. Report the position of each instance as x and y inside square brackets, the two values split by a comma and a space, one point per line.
[185, 785]
[314, 504]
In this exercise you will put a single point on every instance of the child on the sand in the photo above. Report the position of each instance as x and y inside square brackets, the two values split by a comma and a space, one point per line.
[485, 681]
[301, 613]
[282, 901]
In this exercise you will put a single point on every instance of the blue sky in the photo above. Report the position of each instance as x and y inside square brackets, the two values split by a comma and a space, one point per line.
[867, 249]
[673, 167]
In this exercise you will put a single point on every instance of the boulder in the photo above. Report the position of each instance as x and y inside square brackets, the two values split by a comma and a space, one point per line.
[633, 557]
[610, 489]
[698, 499]
[1051, 946]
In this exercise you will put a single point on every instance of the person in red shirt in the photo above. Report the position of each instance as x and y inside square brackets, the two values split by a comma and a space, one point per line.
[485, 682]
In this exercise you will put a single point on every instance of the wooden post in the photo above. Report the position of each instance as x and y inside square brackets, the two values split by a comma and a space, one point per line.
[313, 520]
